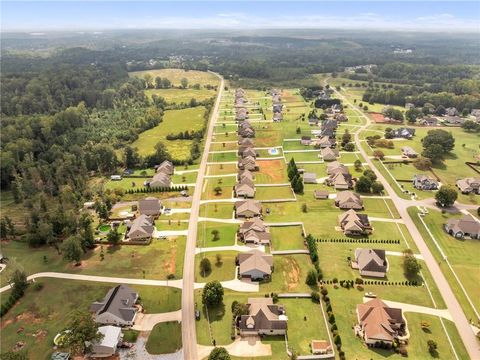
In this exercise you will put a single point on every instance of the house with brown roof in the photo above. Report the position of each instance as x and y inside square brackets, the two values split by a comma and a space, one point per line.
[340, 181]
[254, 232]
[323, 142]
[353, 223]
[248, 163]
[335, 167]
[340, 117]
[248, 209]
[245, 141]
[150, 206]
[409, 152]
[370, 262]
[245, 174]
[255, 265]
[141, 229]
[246, 132]
[263, 318]
[348, 200]
[309, 178]
[467, 226]
[469, 185]
[306, 140]
[277, 116]
[245, 151]
[244, 188]
[379, 323]
[329, 154]
[241, 114]
[321, 347]
[321, 194]
[165, 167]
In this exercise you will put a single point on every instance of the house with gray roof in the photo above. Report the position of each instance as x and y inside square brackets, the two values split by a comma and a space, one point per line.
[150, 206]
[424, 182]
[245, 141]
[328, 154]
[160, 179]
[245, 174]
[117, 307]
[141, 229]
[324, 142]
[263, 318]
[405, 133]
[409, 152]
[469, 185]
[247, 163]
[254, 232]
[309, 178]
[370, 262]
[246, 132]
[321, 194]
[255, 265]
[165, 167]
[277, 116]
[467, 226]
[340, 181]
[245, 151]
[335, 167]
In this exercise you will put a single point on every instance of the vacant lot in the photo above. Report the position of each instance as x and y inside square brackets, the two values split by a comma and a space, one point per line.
[287, 238]
[178, 96]
[176, 75]
[220, 270]
[271, 172]
[156, 343]
[226, 234]
[274, 192]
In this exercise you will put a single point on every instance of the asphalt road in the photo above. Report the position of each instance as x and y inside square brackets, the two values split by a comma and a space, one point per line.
[189, 335]
[463, 326]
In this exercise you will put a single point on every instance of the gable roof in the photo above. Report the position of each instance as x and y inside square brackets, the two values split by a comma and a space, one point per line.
[353, 221]
[263, 314]
[349, 198]
[248, 205]
[166, 167]
[371, 260]
[378, 320]
[336, 166]
[255, 260]
[149, 205]
[142, 226]
[467, 225]
[119, 302]
[255, 224]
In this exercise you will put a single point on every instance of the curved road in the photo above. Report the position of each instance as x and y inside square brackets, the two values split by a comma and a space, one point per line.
[458, 316]
[189, 335]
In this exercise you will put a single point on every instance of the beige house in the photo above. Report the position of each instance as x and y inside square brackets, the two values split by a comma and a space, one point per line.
[165, 167]
[254, 232]
[142, 228]
[255, 265]
[348, 200]
[150, 206]
[335, 167]
[353, 224]
[467, 226]
[263, 318]
[340, 181]
[370, 262]
[245, 188]
[328, 154]
[248, 209]
[321, 194]
[469, 185]
[245, 174]
[248, 163]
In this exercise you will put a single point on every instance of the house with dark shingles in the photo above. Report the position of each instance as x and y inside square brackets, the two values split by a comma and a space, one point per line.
[306, 140]
[467, 226]
[405, 133]
[247, 163]
[245, 141]
[255, 265]
[313, 121]
[454, 120]
[247, 132]
[244, 188]
[451, 111]
[428, 121]
[469, 185]
[409, 152]
[254, 232]
[241, 114]
[277, 107]
[247, 151]
[263, 318]
[424, 182]
[341, 117]
[117, 308]
[245, 174]
[248, 209]
[353, 223]
[379, 323]
[150, 206]
[370, 262]
[141, 229]
[277, 116]
[321, 194]
[348, 200]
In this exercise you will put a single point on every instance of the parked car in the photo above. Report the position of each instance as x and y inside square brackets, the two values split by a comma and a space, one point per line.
[370, 295]
[197, 314]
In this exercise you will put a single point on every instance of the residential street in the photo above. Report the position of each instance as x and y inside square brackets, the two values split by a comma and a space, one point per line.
[457, 314]
[189, 336]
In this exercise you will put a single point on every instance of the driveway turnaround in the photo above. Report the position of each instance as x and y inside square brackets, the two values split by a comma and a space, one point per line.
[241, 347]
[146, 322]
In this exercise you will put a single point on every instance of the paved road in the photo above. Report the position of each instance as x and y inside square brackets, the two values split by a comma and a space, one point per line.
[189, 336]
[454, 308]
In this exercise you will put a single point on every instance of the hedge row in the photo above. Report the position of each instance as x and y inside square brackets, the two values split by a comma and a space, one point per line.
[157, 189]
[361, 241]
[11, 301]
[333, 323]
[350, 283]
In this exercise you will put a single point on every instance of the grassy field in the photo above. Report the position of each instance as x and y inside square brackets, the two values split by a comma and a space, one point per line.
[462, 255]
[178, 96]
[40, 317]
[216, 210]
[226, 234]
[271, 172]
[174, 121]
[221, 169]
[287, 237]
[157, 343]
[225, 183]
[175, 76]
[221, 271]
[274, 192]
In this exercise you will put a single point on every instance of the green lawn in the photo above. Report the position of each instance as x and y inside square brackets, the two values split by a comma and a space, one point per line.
[383, 208]
[277, 192]
[287, 238]
[126, 183]
[178, 96]
[271, 172]
[462, 255]
[226, 233]
[223, 157]
[221, 169]
[165, 338]
[175, 76]
[217, 210]
[38, 311]
[225, 183]
[221, 271]
[174, 121]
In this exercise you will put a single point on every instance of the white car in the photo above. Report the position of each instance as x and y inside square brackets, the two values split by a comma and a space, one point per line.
[370, 295]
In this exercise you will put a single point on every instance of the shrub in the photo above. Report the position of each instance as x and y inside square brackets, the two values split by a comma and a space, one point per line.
[315, 297]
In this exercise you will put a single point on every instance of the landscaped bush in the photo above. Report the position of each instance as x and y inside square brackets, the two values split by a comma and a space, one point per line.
[315, 297]
[157, 189]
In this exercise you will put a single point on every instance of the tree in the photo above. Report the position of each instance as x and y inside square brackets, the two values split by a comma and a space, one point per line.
[217, 190]
[218, 258]
[239, 309]
[446, 195]
[377, 187]
[212, 293]
[219, 353]
[363, 184]
[292, 170]
[304, 208]
[113, 237]
[83, 331]
[11, 355]
[370, 174]
[72, 249]
[432, 347]
[412, 114]
[216, 235]
[205, 267]
[378, 154]
[440, 110]
[411, 266]
[422, 163]
[441, 137]
[346, 137]
[349, 147]
[158, 82]
[425, 324]
[18, 282]
[434, 152]
[131, 158]
[357, 164]
[184, 83]
[470, 125]
[298, 185]
[311, 277]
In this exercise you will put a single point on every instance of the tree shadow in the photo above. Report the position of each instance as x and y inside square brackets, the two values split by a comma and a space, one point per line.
[205, 274]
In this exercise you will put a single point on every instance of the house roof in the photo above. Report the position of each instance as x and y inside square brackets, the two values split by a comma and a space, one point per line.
[255, 224]
[111, 336]
[245, 174]
[408, 150]
[245, 186]
[309, 176]
[348, 197]
[263, 314]
[166, 167]
[247, 160]
[340, 180]
[119, 302]
[245, 141]
[248, 205]
[371, 260]
[423, 177]
[149, 204]
[255, 260]
[321, 193]
[352, 221]
[335, 167]
[142, 224]
[467, 225]
[468, 183]
[329, 153]
[376, 319]
[162, 177]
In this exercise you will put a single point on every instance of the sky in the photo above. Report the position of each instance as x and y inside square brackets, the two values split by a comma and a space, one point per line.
[450, 16]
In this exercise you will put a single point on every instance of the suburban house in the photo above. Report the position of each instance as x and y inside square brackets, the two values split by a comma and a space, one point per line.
[246, 132]
[341, 117]
[245, 151]
[453, 120]
[254, 232]
[160, 179]
[165, 167]
[405, 133]
[245, 141]
[451, 111]
[244, 188]
[117, 308]
[370, 262]
[150, 206]
[321, 347]
[469, 185]
[248, 208]
[277, 107]
[321, 194]
[424, 182]
[277, 116]
[241, 114]
[306, 140]
[379, 323]
[107, 346]
[335, 167]
[263, 318]
[340, 181]
[348, 200]
[309, 178]
[324, 142]
[428, 121]
[312, 121]
[409, 152]
[255, 265]
[328, 154]
[467, 226]
[245, 174]
[247, 163]
[353, 223]
[140, 229]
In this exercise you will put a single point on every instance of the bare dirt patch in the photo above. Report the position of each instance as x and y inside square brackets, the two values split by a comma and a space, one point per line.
[293, 275]
[377, 117]
[273, 168]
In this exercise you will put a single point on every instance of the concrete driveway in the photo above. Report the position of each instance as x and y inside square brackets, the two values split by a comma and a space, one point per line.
[146, 322]
[241, 347]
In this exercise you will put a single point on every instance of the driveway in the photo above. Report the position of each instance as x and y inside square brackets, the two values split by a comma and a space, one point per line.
[239, 248]
[146, 322]
[241, 347]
